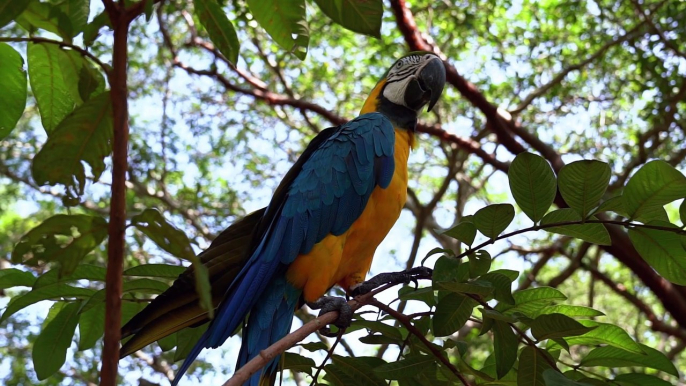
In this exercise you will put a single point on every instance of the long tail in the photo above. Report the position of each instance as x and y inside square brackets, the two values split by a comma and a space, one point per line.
[178, 307]
[270, 320]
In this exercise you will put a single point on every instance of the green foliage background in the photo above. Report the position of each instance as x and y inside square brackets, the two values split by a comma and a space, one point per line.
[214, 126]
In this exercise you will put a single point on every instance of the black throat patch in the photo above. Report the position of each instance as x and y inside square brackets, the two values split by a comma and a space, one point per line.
[400, 116]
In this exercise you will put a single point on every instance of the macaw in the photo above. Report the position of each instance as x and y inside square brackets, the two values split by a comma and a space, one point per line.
[321, 228]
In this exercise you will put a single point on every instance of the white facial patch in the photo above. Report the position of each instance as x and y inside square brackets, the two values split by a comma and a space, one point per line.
[402, 72]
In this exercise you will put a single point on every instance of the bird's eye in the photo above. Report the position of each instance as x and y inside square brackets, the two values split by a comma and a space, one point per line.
[399, 65]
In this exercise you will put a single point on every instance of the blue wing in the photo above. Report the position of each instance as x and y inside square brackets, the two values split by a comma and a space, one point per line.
[324, 192]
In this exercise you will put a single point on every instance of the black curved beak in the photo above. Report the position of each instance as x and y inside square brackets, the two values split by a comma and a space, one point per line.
[427, 85]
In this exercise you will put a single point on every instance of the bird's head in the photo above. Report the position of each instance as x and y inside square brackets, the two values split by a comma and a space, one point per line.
[415, 80]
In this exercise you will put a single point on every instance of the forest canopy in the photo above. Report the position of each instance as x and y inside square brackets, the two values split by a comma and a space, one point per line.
[546, 188]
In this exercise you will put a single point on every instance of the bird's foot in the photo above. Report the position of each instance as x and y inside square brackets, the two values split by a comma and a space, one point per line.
[332, 303]
[405, 277]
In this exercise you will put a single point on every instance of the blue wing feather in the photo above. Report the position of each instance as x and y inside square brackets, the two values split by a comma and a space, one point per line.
[336, 177]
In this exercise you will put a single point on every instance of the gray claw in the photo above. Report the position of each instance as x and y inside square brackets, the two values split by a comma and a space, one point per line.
[327, 304]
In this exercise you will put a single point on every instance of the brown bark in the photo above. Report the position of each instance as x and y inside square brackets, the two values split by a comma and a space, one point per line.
[670, 295]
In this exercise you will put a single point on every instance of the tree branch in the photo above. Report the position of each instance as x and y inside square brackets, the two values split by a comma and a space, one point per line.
[405, 321]
[258, 362]
[622, 249]
[83, 52]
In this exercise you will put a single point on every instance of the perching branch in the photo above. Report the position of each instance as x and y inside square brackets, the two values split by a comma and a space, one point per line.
[258, 362]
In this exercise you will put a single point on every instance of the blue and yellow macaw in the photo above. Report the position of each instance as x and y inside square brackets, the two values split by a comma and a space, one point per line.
[321, 228]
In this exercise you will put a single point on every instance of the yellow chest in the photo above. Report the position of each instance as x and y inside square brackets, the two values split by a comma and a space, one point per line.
[345, 259]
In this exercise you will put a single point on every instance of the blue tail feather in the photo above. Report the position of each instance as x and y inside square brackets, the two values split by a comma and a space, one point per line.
[190, 358]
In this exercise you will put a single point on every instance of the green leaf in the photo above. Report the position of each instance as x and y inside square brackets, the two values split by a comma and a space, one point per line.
[357, 369]
[54, 310]
[657, 183]
[531, 300]
[361, 16]
[479, 263]
[405, 368]
[285, 22]
[186, 339]
[377, 326]
[314, 346]
[48, 85]
[493, 219]
[555, 378]
[50, 348]
[12, 277]
[45, 16]
[452, 312]
[532, 365]
[510, 274]
[614, 204]
[570, 310]
[13, 95]
[380, 339]
[562, 343]
[129, 310]
[218, 26]
[605, 333]
[296, 362]
[640, 380]
[505, 345]
[156, 270]
[84, 136]
[477, 287]
[167, 343]
[593, 233]
[9, 10]
[583, 183]
[148, 286]
[66, 239]
[663, 250]
[81, 77]
[502, 284]
[464, 232]
[44, 293]
[148, 9]
[153, 224]
[92, 30]
[71, 63]
[425, 295]
[91, 326]
[450, 269]
[682, 212]
[76, 13]
[552, 326]
[615, 357]
[533, 185]
[82, 272]
[496, 315]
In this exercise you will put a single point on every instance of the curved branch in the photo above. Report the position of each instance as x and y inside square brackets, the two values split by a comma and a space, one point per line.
[672, 297]
[405, 321]
[258, 362]
[78, 49]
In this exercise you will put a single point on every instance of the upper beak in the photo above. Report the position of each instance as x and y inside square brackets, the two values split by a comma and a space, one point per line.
[427, 85]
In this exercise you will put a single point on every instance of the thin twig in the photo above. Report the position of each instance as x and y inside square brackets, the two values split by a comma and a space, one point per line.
[329, 353]
[413, 330]
[83, 52]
